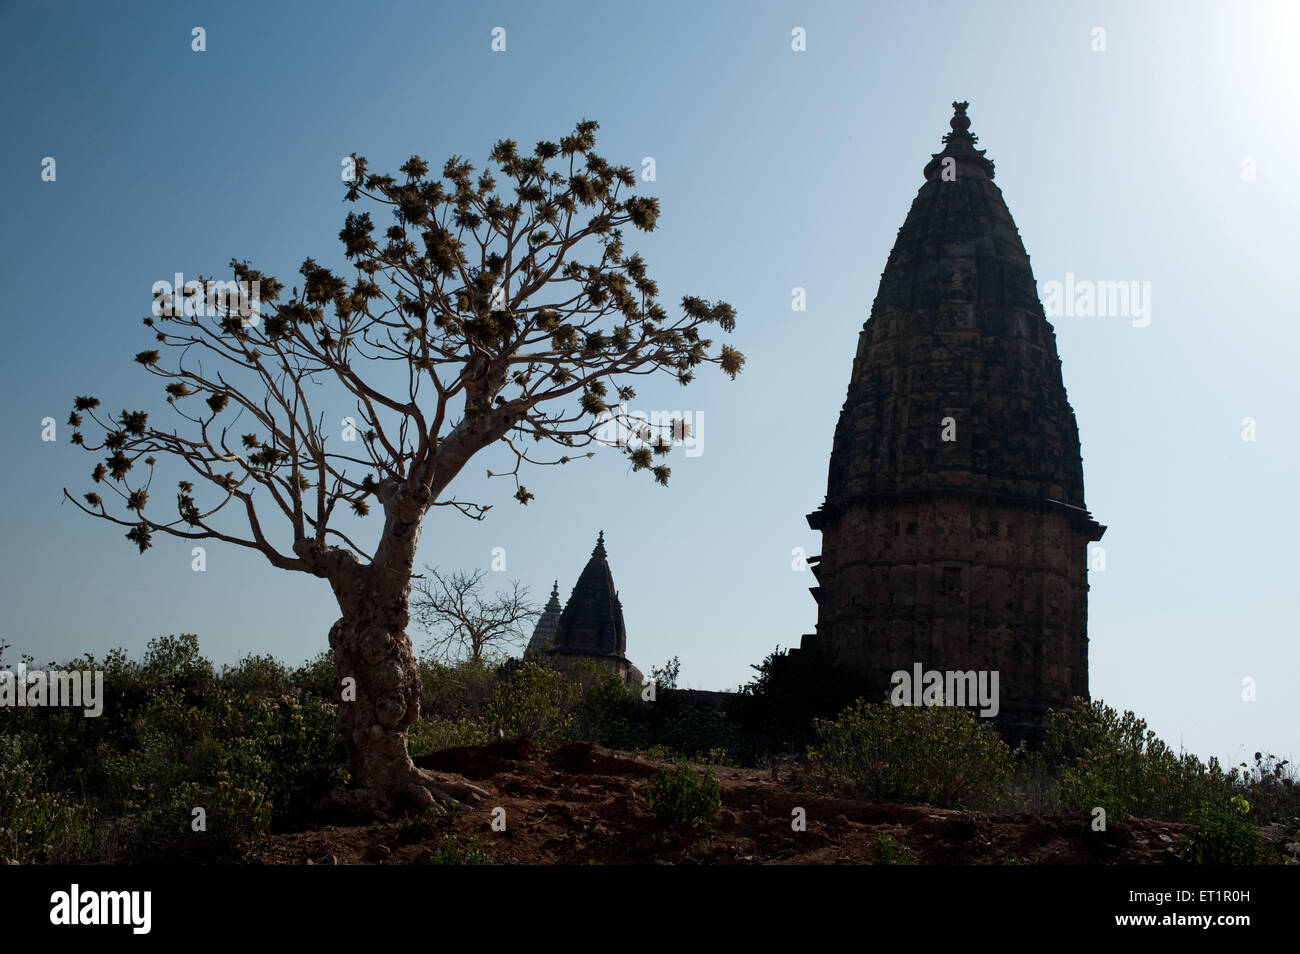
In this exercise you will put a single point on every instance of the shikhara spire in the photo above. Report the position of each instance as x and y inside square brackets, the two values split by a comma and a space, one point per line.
[591, 625]
[592, 621]
[544, 632]
[954, 531]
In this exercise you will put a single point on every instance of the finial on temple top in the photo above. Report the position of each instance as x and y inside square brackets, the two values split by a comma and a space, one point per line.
[959, 145]
[960, 124]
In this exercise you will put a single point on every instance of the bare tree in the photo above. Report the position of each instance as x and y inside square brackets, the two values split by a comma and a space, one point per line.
[476, 319]
[464, 624]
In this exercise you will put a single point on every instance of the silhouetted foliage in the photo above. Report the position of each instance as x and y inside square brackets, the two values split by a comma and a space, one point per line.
[462, 622]
[1113, 760]
[940, 755]
[246, 746]
[793, 688]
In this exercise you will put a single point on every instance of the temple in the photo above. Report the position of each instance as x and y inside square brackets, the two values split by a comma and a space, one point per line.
[544, 633]
[954, 531]
[591, 624]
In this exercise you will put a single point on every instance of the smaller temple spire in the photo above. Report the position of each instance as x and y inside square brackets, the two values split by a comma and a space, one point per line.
[591, 626]
[592, 622]
[544, 633]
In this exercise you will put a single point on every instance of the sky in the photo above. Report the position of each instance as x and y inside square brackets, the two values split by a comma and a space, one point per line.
[1160, 150]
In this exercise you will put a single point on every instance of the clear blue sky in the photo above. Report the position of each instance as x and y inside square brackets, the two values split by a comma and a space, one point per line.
[775, 169]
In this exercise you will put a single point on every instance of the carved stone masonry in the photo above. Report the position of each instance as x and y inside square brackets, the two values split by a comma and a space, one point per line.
[954, 531]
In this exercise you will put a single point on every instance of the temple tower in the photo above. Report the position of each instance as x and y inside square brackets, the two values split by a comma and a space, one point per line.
[954, 532]
[591, 625]
[544, 631]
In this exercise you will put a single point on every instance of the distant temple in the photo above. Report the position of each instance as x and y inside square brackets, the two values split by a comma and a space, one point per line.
[544, 632]
[591, 624]
[954, 531]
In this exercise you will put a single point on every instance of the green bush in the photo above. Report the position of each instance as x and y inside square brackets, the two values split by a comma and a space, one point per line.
[665, 677]
[1273, 789]
[1218, 836]
[1035, 787]
[450, 853]
[790, 690]
[256, 673]
[433, 735]
[254, 762]
[251, 747]
[459, 691]
[236, 814]
[175, 662]
[37, 826]
[699, 733]
[603, 710]
[1114, 761]
[476, 703]
[1085, 788]
[532, 705]
[318, 676]
[680, 797]
[941, 755]
[891, 851]
[290, 744]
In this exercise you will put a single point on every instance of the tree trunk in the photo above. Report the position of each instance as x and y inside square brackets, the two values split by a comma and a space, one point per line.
[371, 646]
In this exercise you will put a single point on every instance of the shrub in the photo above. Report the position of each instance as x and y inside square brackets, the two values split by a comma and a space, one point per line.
[777, 709]
[459, 691]
[891, 851]
[256, 673]
[658, 753]
[236, 813]
[1035, 787]
[291, 745]
[698, 733]
[245, 746]
[941, 755]
[433, 735]
[680, 797]
[603, 708]
[1087, 787]
[1273, 789]
[37, 826]
[666, 677]
[175, 662]
[318, 676]
[532, 705]
[1114, 761]
[1218, 836]
[451, 853]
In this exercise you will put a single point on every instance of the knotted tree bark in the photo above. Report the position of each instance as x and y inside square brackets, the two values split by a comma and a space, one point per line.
[380, 679]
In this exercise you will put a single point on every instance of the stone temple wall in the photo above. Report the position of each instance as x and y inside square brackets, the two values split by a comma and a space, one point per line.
[960, 582]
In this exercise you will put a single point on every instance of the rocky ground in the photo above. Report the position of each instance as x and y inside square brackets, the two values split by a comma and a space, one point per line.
[580, 804]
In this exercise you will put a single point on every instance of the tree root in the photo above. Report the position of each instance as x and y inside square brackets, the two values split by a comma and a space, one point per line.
[408, 790]
[442, 787]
